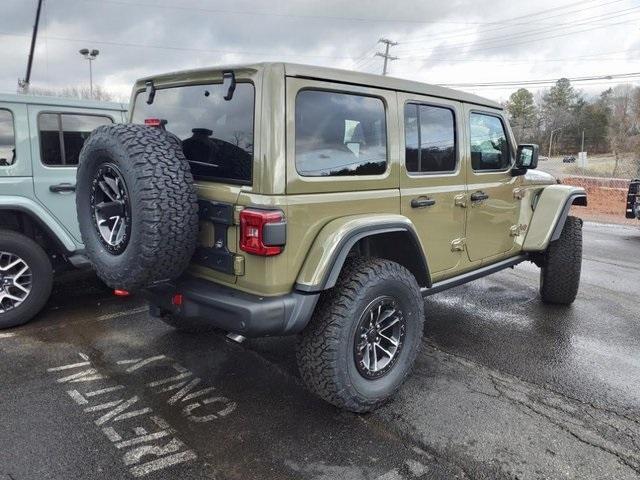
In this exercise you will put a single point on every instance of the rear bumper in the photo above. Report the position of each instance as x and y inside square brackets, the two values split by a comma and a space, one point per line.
[233, 310]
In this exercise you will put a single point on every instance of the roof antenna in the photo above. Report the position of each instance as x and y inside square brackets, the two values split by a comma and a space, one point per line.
[232, 86]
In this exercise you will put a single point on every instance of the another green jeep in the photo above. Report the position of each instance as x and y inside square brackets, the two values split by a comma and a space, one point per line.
[40, 142]
[278, 199]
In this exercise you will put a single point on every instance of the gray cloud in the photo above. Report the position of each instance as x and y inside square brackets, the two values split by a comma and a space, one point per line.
[458, 43]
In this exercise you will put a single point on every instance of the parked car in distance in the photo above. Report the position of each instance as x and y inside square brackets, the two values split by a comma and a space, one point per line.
[279, 199]
[633, 199]
[568, 159]
[542, 158]
[40, 142]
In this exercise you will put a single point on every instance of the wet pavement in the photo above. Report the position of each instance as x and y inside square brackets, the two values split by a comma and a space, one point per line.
[505, 387]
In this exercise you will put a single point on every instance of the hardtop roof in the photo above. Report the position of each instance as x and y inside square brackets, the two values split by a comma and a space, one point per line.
[334, 75]
[60, 102]
[385, 82]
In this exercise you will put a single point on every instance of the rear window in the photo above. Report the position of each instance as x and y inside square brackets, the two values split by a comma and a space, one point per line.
[340, 134]
[216, 134]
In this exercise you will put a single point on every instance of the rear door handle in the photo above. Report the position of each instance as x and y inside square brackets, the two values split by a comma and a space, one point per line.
[478, 196]
[422, 202]
[62, 188]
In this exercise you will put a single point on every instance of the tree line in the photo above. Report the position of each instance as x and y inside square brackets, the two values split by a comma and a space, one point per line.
[559, 116]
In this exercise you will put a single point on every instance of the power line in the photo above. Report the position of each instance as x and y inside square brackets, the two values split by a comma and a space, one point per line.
[540, 82]
[538, 87]
[511, 44]
[508, 23]
[592, 57]
[534, 32]
[168, 47]
[291, 15]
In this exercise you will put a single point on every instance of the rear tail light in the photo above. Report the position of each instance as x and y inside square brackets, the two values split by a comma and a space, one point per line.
[262, 232]
[121, 293]
[155, 122]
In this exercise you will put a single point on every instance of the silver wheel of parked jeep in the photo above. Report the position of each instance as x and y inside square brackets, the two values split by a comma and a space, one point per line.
[26, 278]
[15, 281]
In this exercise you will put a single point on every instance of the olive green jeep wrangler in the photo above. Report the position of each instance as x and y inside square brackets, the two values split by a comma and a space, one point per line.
[278, 199]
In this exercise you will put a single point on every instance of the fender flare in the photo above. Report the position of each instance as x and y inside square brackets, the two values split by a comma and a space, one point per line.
[329, 251]
[550, 213]
[43, 219]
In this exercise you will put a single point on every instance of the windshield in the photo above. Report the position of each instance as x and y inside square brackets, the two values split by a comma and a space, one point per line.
[216, 134]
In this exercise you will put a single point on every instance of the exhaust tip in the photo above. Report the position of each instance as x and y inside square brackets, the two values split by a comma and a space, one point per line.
[236, 337]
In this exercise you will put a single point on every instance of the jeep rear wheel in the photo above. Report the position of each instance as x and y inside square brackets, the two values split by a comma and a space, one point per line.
[26, 278]
[137, 205]
[364, 335]
[561, 265]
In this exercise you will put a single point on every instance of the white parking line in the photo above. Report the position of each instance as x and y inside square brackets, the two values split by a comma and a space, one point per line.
[110, 316]
[7, 335]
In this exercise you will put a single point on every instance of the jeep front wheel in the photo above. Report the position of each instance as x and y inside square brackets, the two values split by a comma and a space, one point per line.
[561, 265]
[364, 336]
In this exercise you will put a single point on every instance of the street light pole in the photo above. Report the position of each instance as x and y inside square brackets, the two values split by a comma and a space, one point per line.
[91, 56]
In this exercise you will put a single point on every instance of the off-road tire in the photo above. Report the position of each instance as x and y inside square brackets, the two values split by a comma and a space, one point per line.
[561, 265]
[42, 277]
[325, 349]
[162, 200]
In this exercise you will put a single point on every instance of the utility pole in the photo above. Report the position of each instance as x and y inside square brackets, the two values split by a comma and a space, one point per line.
[388, 43]
[551, 139]
[23, 85]
[582, 144]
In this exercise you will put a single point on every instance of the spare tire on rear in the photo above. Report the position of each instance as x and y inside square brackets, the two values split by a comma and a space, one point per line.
[137, 205]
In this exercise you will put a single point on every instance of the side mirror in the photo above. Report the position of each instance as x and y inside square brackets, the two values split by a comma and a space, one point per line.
[527, 157]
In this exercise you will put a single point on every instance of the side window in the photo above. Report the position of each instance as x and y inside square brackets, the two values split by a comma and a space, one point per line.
[63, 134]
[430, 139]
[340, 134]
[7, 139]
[489, 145]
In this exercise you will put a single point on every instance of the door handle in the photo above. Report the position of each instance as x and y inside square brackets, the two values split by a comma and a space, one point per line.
[479, 196]
[422, 202]
[62, 188]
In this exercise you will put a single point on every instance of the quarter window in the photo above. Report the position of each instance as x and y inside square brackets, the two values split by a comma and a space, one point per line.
[7, 139]
[489, 145]
[63, 134]
[430, 139]
[340, 134]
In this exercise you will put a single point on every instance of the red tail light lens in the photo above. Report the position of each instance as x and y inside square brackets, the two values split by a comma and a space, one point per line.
[253, 226]
[152, 122]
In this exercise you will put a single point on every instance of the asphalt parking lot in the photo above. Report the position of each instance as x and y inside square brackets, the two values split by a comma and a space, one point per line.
[504, 387]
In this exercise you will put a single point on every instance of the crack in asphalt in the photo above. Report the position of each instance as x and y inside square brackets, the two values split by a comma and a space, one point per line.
[522, 393]
[635, 466]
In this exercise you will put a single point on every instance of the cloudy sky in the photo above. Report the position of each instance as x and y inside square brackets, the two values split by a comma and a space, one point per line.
[446, 42]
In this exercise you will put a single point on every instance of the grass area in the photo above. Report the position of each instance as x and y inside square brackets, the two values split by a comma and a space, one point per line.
[603, 165]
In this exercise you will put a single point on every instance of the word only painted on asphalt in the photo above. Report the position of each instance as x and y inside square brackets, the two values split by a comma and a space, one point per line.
[152, 437]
